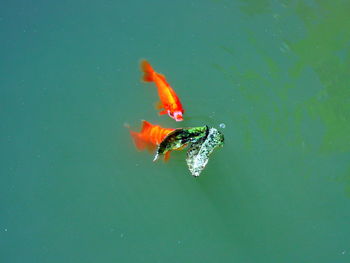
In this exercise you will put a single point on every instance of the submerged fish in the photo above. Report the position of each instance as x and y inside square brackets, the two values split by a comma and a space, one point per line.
[179, 139]
[169, 101]
[150, 136]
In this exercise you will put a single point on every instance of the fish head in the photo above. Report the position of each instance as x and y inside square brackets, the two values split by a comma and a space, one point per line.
[176, 115]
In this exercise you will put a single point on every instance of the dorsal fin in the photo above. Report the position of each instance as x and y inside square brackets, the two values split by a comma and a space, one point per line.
[162, 77]
[145, 126]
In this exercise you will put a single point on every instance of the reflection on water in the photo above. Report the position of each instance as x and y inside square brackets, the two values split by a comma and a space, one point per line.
[326, 49]
[315, 71]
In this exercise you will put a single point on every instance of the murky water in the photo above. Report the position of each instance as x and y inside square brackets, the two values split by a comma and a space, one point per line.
[273, 76]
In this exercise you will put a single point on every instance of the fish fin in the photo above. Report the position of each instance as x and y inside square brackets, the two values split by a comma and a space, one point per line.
[147, 70]
[182, 147]
[163, 112]
[159, 105]
[151, 147]
[145, 126]
[139, 143]
[167, 156]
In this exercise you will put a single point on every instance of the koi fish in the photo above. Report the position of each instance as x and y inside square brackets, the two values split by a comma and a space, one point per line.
[150, 137]
[169, 101]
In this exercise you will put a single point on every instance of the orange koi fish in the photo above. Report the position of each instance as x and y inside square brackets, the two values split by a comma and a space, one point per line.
[150, 137]
[169, 101]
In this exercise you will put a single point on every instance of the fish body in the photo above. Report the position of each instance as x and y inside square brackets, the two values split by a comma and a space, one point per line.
[169, 101]
[150, 136]
[179, 139]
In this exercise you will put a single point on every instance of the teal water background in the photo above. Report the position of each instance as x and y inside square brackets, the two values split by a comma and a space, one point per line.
[74, 189]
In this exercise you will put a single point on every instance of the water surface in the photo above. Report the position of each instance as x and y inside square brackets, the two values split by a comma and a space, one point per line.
[73, 187]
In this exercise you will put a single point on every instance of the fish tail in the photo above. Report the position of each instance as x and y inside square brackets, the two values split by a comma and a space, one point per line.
[139, 143]
[147, 71]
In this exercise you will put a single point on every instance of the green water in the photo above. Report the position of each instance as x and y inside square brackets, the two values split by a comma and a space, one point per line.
[74, 189]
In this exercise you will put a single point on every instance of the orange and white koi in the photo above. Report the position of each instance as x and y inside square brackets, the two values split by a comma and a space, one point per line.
[169, 101]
